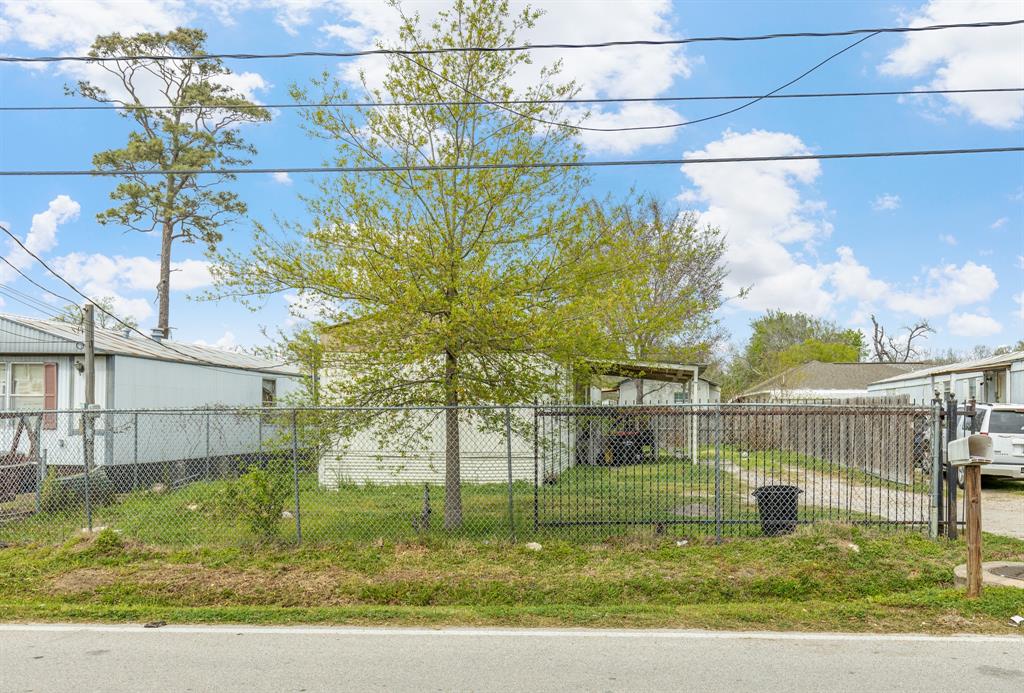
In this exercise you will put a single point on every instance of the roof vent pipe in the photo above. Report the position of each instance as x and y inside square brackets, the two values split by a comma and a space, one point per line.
[157, 334]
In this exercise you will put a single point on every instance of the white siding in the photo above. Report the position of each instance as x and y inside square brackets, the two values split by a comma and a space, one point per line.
[142, 383]
[413, 457]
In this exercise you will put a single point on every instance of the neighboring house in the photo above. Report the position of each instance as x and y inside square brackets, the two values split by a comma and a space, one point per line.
[996, 379]
[41, 368]
[417, 455]
[817, 380]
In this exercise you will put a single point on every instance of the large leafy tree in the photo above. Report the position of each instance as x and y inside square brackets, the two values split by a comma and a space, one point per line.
[445, 286]
[667, 302]
[195, 126]
[780, 340]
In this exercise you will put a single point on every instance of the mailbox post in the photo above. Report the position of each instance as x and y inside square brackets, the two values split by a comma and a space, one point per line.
[970, 453]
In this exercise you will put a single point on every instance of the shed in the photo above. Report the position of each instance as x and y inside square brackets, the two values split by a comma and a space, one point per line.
[818, 380]
[996, 379]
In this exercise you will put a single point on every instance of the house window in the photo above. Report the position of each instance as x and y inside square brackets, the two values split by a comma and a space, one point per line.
[28, 389]
[269, 392]
[681, 397]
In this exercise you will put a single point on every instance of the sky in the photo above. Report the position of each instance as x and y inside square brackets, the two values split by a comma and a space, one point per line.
[935, 238]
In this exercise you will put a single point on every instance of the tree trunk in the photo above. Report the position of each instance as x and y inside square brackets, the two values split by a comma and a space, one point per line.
[163, 287]
[452, 472]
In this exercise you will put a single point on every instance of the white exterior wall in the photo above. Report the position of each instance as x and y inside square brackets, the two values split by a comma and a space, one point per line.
[411, 458]
[659, 392]
[922, 389]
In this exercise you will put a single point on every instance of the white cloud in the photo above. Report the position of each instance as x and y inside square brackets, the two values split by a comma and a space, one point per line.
[761, 209]
[885, 202]
[947, 238]
[45, 24]
[41, 237]
[945, 288]
[281, 177]
[613, 72]
[999, 223]
[853, 280]
[966, 58]
[1020, 261]
[1019, 300]
[97, 275]
[226, 341]
[972, 325]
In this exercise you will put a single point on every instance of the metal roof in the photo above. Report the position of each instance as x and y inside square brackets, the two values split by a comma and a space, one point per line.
[821, 375]
[116, 342]
[651, 370]
[985, 364]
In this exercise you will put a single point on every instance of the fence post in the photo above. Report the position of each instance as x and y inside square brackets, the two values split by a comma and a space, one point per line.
[718, 474]
[536, 471]
[135, 452]
[935, 516]
[951, 473]
[295, 475]
[508, 458]
[207, 476]
[86, 425]
[41, 475]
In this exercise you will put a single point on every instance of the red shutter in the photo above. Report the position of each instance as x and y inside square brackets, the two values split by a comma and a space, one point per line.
[49, 395]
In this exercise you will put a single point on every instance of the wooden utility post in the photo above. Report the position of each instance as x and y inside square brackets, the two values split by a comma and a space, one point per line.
[972, 486]
[88, 315]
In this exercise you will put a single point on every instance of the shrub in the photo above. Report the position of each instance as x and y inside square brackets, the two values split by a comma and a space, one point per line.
[61, 494]
[257, 498]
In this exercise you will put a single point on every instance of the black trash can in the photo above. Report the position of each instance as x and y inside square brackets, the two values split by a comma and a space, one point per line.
[777, 506]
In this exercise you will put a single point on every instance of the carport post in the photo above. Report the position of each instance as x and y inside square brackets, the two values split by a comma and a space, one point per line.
[86, 424]
[508, 458]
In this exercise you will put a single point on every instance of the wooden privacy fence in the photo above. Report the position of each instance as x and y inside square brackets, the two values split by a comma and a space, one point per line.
[882, 440]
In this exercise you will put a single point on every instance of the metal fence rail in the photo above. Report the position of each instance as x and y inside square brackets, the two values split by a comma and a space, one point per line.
[328, 475]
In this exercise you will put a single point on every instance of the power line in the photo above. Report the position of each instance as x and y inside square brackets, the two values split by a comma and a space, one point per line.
[515, 102]
[124, 324]
[587, 128]
[502, 49]
[28, 278]
[27, 300]
[534, 165]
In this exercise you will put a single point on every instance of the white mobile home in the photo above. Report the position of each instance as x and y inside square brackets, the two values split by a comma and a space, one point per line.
[41, 368]
[996, 379]
[416, 454]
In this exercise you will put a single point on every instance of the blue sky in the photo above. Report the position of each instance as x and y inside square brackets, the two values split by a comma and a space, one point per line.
[940, 238]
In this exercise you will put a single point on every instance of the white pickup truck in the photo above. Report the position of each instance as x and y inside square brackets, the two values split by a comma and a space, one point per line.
[1004, 423]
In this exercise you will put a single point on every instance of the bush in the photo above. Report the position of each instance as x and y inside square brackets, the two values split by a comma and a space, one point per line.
[61, 494]
[257, 498]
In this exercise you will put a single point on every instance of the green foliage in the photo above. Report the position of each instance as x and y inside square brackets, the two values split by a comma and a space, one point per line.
[669, 288]
[73, 315]
[63, 494]
[816, 350]
[201, 133]
[781, 340]
[257, 499]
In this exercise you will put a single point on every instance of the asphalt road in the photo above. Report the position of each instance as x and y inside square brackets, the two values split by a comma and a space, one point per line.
[129, 658]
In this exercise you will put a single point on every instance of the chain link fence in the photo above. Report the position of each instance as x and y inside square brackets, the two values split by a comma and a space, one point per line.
[218, 477]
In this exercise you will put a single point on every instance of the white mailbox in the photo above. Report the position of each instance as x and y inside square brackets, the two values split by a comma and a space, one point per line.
[974, 449]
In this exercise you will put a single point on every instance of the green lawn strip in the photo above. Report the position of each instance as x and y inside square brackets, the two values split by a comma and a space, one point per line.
[824, 578]
[944, 611]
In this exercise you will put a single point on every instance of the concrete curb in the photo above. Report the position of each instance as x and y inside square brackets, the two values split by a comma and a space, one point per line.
[988, 577]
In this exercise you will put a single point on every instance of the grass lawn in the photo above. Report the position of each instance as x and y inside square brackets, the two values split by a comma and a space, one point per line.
[829, 577]
[672, 498]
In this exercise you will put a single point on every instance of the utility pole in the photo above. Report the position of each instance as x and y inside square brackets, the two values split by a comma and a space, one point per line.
[88, 315]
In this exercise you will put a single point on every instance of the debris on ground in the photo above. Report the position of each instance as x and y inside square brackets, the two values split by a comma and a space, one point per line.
[533, 546]
[682, 542]
[158, 489]
[155, 624]
[192, 506]
[1017, 620]
[286, 515]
